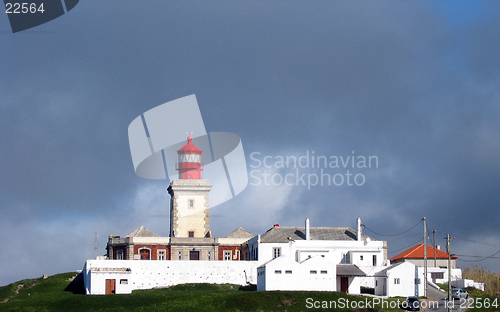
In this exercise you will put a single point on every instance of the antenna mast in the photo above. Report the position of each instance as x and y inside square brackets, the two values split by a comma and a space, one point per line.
[95, 246]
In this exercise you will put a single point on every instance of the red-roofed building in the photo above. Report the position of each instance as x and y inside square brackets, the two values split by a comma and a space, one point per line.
[415, 255]
[437, 262]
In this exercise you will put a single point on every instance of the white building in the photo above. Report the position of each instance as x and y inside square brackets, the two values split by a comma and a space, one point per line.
[400, 279]
[437, 262]
[343, 248]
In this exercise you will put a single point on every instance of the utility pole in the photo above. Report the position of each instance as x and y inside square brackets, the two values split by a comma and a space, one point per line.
[449, 271]
[425, 256]
[435, 246]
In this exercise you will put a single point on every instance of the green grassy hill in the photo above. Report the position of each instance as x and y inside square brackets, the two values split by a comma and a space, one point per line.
[59, 293]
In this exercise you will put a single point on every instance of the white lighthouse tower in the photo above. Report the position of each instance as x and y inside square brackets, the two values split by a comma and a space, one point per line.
[189, 203]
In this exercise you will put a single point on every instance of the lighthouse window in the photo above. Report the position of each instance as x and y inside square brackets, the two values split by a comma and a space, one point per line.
[191, 203]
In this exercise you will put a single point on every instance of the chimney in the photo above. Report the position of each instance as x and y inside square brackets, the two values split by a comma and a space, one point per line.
[438, 247]
[360, 231]
[308, 232]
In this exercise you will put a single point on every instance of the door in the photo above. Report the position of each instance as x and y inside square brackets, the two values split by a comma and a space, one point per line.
[344, 284]
[194, 255]
[110, 286]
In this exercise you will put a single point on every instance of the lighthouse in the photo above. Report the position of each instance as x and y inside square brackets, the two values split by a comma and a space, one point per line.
[189, 202]
[189, 165]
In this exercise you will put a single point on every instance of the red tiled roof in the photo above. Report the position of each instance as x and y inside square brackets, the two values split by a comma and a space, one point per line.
[417, 252]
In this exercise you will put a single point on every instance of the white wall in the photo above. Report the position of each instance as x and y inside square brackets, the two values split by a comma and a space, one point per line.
[468, 283]
[153, 273]
[380, 285]
[282, 281]
[456, 274]
[369, 280]
[354, 283]
[274, 275]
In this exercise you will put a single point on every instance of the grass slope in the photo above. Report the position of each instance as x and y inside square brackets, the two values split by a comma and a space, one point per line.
[50, 295]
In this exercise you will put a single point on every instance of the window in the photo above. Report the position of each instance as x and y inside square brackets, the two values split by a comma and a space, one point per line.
[345, 258]
[119, 254]
[191, 203]
[361, 257]
[123, 282]
[313, 272]
[277, 271]
[227, 255]
[161, 255]
[374, 260]
[194, 255]
[437, 275]
[145, 254]
[276, 252]
[396, 281]
[179, 255]
[324, 272]
[191, 234]
[288, 272]
[209, 256]
[417, 281]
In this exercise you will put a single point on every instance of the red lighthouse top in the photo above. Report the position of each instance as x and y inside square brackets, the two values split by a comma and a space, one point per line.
[189, 148]
[189, 164]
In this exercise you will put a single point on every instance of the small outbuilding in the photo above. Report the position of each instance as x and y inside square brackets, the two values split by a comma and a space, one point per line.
[283, 273]
[400, 279]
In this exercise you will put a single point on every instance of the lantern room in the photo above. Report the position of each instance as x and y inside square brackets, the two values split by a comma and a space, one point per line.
[189, 157]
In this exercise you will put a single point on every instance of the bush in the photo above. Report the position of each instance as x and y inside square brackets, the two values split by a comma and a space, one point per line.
[491, 280]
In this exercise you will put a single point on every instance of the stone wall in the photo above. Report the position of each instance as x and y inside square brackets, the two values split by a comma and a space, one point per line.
[130, 275]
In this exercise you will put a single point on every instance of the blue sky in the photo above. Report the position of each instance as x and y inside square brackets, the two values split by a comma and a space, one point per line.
[414, 83]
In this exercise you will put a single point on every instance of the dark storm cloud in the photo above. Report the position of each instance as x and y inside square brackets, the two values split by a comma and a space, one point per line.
[402, 81]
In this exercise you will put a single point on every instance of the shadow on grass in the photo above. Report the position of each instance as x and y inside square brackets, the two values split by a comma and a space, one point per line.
[76, 286]
[248, 287]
